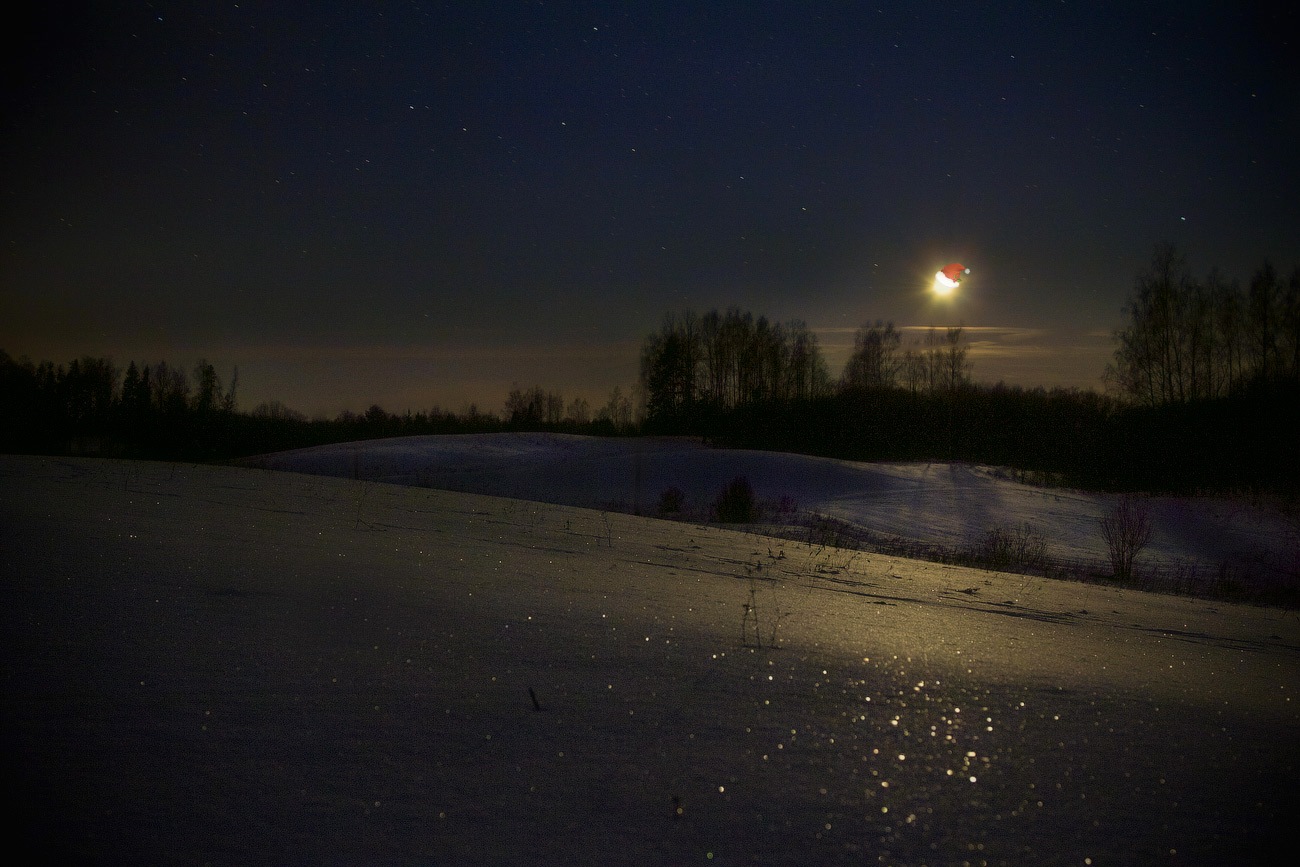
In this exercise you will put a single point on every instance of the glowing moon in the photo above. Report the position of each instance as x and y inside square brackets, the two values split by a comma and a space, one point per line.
[943, 284]
[948, 278]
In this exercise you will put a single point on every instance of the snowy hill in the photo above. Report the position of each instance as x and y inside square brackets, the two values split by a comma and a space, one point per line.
[909, 505]
[232, 666]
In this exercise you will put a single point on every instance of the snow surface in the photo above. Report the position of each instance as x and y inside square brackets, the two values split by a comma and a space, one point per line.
[232, 666]
[909, 505]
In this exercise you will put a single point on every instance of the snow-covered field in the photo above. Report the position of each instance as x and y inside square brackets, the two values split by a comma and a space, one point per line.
[906, 506]
[231, 666]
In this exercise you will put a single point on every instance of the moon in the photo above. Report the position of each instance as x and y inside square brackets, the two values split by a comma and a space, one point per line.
[943, 286]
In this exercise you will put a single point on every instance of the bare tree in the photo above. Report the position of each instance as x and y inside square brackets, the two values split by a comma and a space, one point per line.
[1264, 316]
[806, 372]
[953, 366]
[554, 407]
[276, 411]
[1291, 326]
[1190, 340]
[617, 410]
[914, 370]
[1148, 360]
[209, 397]
[87, 389]
[171, 388]
[875, 362]
[726, 360]
[771, 356]
[534, 406]
[579, 411]
[1127, 530]
[670, 361]
[937, 362]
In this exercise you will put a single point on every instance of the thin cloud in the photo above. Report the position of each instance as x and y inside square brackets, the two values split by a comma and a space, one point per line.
[379, 352]
[1015, 355]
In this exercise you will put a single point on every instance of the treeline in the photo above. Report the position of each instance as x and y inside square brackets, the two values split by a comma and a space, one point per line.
[160, 411]
[698, 368]
[537, 408]
[1245, 441]
[1190, 339]
[154, 410]
[896, 399]
[701, 374]
[1205, 392]
[1204, 395]
[723, 361]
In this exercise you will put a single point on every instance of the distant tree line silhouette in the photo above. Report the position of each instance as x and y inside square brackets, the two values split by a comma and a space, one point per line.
[1204, 394]
[935, 363]
[723, 361]
[87, 404]
[537, 408]
[1189, 340]
[159, 411]
[700, 368]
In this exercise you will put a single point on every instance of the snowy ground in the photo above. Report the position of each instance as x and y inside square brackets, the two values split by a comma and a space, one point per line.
[910, 506]
[232, 666]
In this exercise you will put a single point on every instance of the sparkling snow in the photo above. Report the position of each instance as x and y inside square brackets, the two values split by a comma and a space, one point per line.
[228, 666]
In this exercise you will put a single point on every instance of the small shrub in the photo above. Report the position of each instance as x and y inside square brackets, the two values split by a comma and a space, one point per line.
[736, 503]
[1015, 549]
[671, 501]
[824, 532]
[1225, 585]
[1127, 530]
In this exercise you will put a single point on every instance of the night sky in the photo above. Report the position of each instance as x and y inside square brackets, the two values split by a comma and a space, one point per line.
[414, 204]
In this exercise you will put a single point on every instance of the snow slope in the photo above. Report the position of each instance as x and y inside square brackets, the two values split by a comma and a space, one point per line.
[925, 504]
[232, 666]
